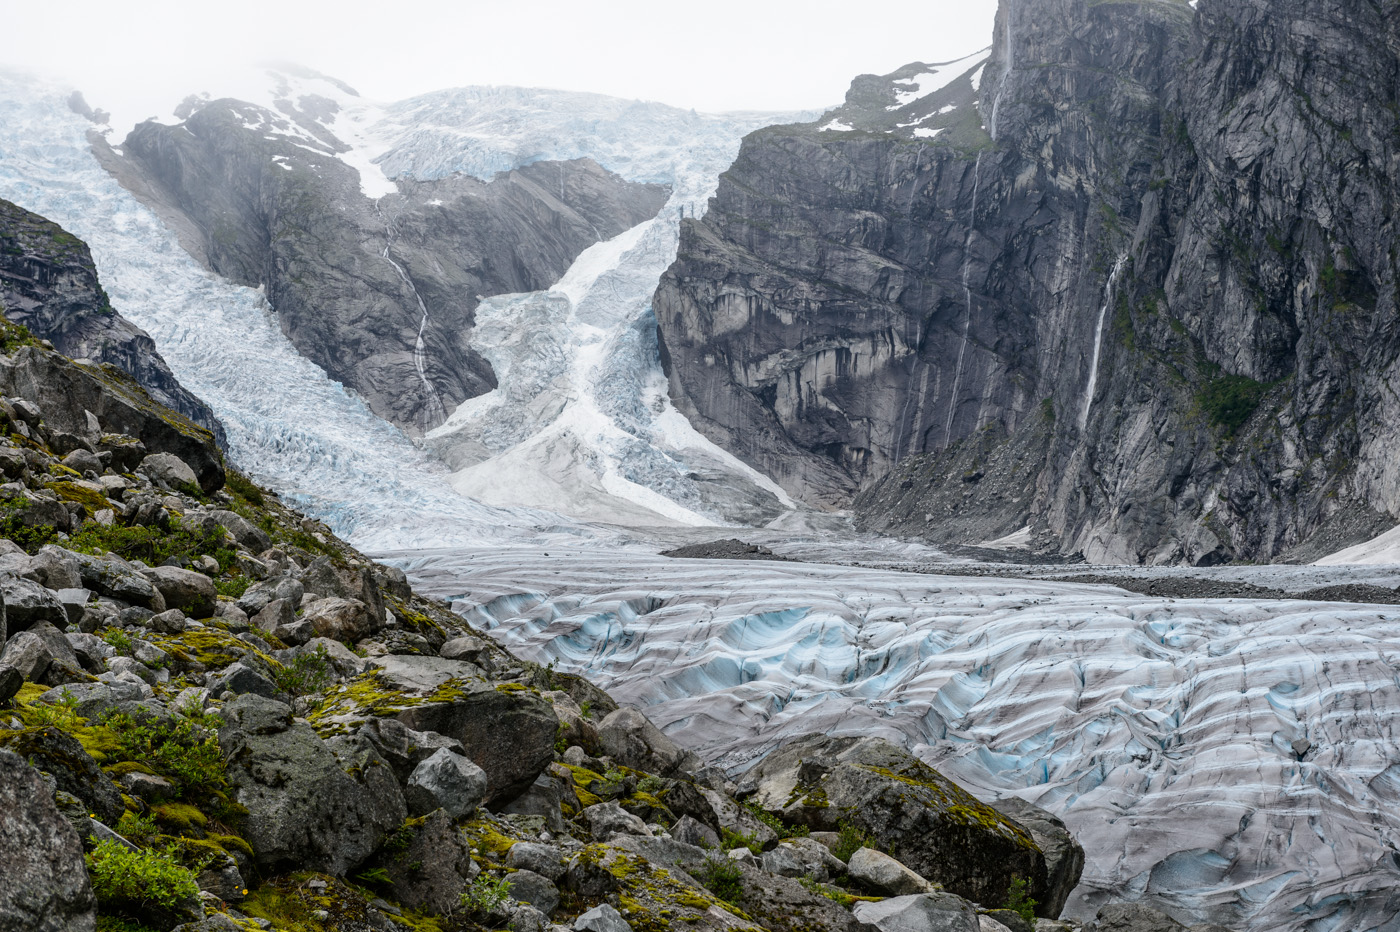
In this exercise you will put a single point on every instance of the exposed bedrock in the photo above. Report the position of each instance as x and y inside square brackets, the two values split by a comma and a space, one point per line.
[48, 282]
[381, 293]
[1131, 282]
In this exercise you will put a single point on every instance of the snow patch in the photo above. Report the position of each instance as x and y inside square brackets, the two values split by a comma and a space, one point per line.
[921, 85]
[1384, 549]
[836, 126]
[1016, 540]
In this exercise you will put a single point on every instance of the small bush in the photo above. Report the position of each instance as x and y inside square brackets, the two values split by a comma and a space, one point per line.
[309, 672]
[651, 784]
[852, 838]
[729, 840]
[234, 587]
[136, 828]
[240, 485]
[186, 752]
[126, 880]
[485, 894]
[62, 714]
[722, 877]
[118, 640]
[154, 545]
[1018, 899]
[776, 824]
[1230, 400]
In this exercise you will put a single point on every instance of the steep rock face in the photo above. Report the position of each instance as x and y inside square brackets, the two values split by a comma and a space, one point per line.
[1142, 304]
[381, 292]
[48, 283]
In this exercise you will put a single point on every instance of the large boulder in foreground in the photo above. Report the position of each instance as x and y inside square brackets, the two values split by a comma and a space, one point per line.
[1064, 857]
[629, 737]
[305, 812]
[926, 912]
[922, 818]
[45, 885]
[505, 729]
[59, 754]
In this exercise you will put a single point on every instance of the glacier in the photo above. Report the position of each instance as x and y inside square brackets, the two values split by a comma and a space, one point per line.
[287, 422]
[1228, 760]
[602, 443]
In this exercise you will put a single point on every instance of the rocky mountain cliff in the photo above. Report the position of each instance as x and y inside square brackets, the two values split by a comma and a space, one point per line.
[1130, 284]
[379, 291]
[48, 283]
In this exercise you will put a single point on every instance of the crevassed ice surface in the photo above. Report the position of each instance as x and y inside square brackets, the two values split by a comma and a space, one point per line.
[286, 420]
[582, 422]
[1229, 761]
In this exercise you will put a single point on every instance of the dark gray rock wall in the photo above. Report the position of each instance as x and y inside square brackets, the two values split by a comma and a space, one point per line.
[46, 886]
[48, 283]
[1144, 305]
[379, 293]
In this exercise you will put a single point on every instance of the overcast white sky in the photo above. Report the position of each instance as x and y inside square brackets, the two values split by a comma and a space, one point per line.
[710, 55]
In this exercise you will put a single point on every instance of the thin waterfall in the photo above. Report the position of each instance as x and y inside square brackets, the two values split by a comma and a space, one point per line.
[1006, 65]
[437, 411]
[967, 299]
[902, 426]
[1108, 290]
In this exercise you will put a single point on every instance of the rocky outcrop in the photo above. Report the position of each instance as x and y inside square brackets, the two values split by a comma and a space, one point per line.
[48, 283]
[1130, 284]
[927, 822]
[46, 886]
[304, 810]
[1064, 857]
[380, 293]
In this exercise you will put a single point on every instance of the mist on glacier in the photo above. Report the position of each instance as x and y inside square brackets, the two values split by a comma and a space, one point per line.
[139, 59]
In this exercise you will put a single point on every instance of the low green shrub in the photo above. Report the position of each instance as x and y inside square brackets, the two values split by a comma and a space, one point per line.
[309, 672]
[118, 640]
[1230, 400]
[233, 587]
[729, 840]
[239, 484]
[776, 824]
[137, 881]
[485, 894]
[1018, 899]
[851, 839]
[153, 545]
[186, 751]
[722, 877]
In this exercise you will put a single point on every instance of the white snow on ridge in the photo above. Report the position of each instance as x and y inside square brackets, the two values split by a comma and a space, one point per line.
[922, 85]
[1230, 761]
[836, 126]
